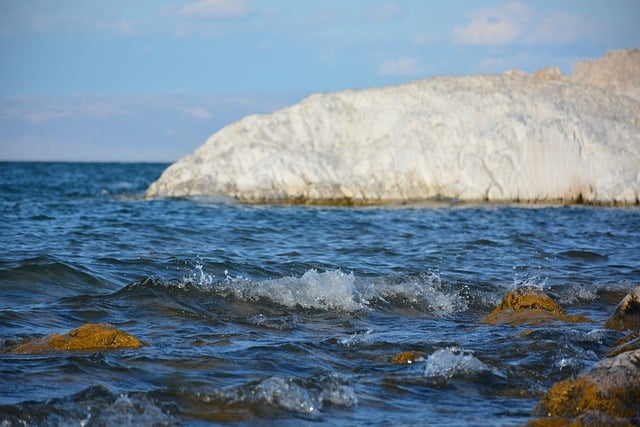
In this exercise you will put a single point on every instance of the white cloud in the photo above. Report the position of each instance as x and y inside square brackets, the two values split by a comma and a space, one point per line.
[123, 27]
[495, 25]
[387, 12]
[119, 127]
[404, 66]
[218, 9]
[560, 28]
[40, 109]
[198, 113]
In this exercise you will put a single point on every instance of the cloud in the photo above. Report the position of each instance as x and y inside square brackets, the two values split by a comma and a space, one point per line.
[119, 127]
[495, 25]
[404, 66]
[560, 27]
[197, 113]
[40, 109]
[217, 9]
[387, 12]
[122, 27]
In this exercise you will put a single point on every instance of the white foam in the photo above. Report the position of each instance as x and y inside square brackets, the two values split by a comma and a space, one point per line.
[329, 290]
[334, 290]
[306, 397]
[424, 293]
[278, 391]
[509, 137]
[450, 362]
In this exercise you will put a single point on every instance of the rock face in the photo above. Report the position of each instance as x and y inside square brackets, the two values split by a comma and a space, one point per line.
[612, 386]
[509, 137]
[626, 315]
[618, 72]
[89, 337]
[529, 306]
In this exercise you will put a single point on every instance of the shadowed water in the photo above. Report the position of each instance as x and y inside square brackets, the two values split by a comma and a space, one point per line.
[290, 315]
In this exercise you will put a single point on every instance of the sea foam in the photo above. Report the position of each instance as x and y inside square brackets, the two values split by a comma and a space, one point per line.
[334, 290]
[447, 363]
[509, 137]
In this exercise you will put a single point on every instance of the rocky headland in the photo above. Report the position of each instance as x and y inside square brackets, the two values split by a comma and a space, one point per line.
[514, 137]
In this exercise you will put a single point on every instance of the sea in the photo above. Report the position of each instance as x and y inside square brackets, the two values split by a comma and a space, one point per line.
[291, 315]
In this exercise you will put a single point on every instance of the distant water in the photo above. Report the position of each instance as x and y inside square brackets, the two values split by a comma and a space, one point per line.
[289, 315]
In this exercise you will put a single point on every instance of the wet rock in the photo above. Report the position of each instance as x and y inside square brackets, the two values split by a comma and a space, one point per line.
[529, 306]
[588, 419]
[628, 343]
[626, 315]
[89, 337]
[611, 387]
[407, 357]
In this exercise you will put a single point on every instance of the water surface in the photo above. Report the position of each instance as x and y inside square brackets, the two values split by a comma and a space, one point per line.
[289, 315]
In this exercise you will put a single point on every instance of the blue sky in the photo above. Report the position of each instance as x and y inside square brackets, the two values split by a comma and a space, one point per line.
[150, 80]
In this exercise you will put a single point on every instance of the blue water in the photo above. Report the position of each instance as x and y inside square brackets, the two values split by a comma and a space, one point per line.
[290, 315]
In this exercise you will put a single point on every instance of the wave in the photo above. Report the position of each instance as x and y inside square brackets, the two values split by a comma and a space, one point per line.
[451, 362]
[304, 397]
[96, 405]
[48, 277]
[261, 301]
[335, 290]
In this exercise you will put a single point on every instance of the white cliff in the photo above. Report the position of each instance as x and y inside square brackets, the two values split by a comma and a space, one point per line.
[509, 137]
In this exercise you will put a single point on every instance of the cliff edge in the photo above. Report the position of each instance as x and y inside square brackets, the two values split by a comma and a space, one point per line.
[512, 137]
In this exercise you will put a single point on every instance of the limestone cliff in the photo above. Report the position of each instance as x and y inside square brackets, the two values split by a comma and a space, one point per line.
[509, 137]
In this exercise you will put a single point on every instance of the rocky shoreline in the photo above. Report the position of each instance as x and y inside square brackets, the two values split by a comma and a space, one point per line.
[606, 394]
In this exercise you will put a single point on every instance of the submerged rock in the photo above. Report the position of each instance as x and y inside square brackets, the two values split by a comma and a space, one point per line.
[626, 315]
[408, 357]
[529, 305]
[88, 337]
[509, 137]
[611, 387]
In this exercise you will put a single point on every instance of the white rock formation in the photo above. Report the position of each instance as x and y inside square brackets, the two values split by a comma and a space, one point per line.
[618, 71]
[509, 137]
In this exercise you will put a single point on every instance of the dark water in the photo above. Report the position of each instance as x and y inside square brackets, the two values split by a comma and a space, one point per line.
[289, 315]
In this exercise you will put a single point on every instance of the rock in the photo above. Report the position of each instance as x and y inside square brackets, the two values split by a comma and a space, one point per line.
[530, 306]
[408, 357]
[510, 137]
[549, 73]
[612, 386]
[587, 419]
[617, 72]
[627, 314]
[628, 343]
[88, 337]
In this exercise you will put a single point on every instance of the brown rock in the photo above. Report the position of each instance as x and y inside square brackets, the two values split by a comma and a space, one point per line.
[588, 419]
[627, 313]
[628, 343]
[407, 357]
[89, 337]
[530, 306]
[612, 387]
[548, 73]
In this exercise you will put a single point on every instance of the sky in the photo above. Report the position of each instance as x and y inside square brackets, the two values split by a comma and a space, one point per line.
[150, 80]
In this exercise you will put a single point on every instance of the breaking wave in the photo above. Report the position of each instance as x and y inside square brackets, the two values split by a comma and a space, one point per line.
[305, 397]
[451, 362]
[335, 290]
[95, 406]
